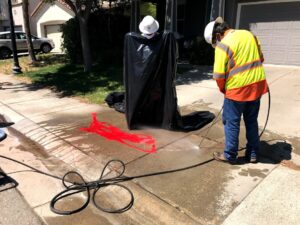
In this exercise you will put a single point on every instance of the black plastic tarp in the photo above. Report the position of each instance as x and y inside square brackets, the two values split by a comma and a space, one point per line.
[149, 76]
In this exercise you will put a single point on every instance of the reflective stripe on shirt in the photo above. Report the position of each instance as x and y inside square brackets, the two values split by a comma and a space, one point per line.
[245, 67]
[229, 52]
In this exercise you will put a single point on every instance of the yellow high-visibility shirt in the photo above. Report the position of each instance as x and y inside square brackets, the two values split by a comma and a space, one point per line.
[238, 66]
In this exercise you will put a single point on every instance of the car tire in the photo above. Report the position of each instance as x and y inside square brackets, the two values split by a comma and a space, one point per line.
[46, 48]
[5, 53]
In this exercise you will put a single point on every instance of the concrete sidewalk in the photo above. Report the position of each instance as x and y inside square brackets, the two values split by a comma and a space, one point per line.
[209, 194]
[14, 210]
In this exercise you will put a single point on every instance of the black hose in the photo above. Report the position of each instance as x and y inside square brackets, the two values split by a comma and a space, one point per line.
[268, 113]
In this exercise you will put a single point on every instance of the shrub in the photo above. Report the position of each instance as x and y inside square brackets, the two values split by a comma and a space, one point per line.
[197, 51]
[106, 32]
[107, 28]
[71, 40]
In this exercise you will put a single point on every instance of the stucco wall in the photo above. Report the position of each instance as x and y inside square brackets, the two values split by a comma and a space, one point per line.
[32, 5]
[3, 10]
[51, 14]
[18, 15]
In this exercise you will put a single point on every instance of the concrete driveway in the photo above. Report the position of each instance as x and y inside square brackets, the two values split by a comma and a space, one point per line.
[197, 85]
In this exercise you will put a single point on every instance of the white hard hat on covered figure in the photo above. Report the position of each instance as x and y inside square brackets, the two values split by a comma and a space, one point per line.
[209, 29]
[149, 25]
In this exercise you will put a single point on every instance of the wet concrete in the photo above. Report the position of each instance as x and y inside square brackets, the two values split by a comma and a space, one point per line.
[212, 184]
[53, 164]
[146, 210]
[254, 172]
[57, 147]
[67, 126]
[274, 146]
[31, 182]
[38, 189]
[203, 192]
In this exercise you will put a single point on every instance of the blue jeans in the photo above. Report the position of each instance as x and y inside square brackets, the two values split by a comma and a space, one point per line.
[2, 135]
[233, 110]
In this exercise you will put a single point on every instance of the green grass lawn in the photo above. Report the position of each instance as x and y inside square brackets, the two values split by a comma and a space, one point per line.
[53, 71]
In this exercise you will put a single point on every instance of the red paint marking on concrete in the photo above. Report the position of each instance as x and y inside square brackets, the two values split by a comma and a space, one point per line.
[115, 134]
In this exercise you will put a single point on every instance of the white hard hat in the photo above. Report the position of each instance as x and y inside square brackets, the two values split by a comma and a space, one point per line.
[209, 29]
[148, 25]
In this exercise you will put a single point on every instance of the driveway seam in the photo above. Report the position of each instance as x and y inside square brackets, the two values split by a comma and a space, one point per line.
[166, 202]
[282, 76]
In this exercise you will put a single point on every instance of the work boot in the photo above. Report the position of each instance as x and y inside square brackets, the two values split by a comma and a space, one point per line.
[251, 159]
[220, 157]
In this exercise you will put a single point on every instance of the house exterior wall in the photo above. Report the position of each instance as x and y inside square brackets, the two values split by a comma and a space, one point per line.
[3, 11]
[18, 16]
[4, 22]
[16, 1]
[33, 4]
[45, 19]
[47, 15]
[36, 19]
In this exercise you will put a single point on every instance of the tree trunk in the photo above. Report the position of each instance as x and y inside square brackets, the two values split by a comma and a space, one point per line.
[28, 32]
[82, 10]
[85, 43]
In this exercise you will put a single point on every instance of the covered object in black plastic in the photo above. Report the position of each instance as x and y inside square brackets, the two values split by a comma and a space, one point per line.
[149, 76]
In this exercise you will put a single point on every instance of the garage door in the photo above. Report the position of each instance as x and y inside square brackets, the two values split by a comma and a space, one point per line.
[54, 32]
[277, 24]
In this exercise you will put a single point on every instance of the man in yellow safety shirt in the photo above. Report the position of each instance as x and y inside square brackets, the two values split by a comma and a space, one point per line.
[240, 76]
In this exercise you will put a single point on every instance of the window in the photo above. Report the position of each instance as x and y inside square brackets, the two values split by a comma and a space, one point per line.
[21, 36]
[5, 36]
[34, 37]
